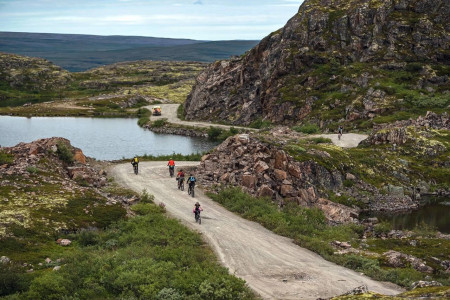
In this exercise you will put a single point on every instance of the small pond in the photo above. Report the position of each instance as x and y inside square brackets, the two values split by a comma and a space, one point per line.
[103, 139]
[435, 213]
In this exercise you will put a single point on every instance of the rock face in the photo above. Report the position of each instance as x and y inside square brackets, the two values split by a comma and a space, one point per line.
[266, 170]
[295, 70]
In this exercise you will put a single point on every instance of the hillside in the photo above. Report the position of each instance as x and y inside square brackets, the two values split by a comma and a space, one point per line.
[81, 52]
[104, 90]
[353, 62]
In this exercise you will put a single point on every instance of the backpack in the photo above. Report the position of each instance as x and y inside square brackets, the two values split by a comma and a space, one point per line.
[192, 179]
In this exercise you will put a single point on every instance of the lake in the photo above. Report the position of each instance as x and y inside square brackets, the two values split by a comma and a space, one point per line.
[103, 139]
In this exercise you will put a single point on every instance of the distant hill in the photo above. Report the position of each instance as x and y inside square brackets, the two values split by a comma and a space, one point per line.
[76, 52]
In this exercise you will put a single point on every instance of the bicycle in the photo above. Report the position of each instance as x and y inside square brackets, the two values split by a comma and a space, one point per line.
[181, 184]
[339, 135]
[198, 218]
[171, 170]
[135, 167]
[191, 190]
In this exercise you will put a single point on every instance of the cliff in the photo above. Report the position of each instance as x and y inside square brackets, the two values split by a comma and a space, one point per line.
[335, 61]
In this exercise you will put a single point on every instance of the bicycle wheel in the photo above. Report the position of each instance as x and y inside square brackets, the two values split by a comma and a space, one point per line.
[189, 190]
[192, 192]
[199, 219]
[182, 186]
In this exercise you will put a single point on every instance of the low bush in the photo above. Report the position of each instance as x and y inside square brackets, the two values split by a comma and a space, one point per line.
[6, 158]
[32, 169]
[319, 140]
[260, 124]
[307, 128]
[159, 123]
[64, 153]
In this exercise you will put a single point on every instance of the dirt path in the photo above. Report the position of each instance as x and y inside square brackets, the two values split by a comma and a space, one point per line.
[348, 140]
[272, 265]
[169, 111]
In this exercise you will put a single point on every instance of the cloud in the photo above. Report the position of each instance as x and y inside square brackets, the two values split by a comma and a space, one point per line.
[198, 2]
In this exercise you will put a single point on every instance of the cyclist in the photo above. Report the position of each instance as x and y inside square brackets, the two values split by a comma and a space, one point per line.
[197, 209]
[191, 181]
[171, 165]
[340, 131]
[135, 163]
[180, 178]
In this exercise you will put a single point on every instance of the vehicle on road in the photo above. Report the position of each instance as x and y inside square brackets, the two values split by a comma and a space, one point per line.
[156, 110]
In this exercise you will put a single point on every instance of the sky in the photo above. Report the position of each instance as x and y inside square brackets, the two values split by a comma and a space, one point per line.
[193, 19]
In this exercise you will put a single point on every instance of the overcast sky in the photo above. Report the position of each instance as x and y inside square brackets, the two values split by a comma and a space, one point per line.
[195, 19]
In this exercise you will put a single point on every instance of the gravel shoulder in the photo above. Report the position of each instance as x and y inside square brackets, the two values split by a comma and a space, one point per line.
[272, 265]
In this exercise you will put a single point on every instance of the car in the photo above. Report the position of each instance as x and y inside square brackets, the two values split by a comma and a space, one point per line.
[156, 110]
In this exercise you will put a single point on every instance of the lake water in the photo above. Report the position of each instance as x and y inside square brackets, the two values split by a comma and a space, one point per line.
[435, 213]
[103, 139]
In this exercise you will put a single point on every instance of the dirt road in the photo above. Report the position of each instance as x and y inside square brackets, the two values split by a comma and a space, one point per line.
[272, 265]
[169, 111]
[348, 140]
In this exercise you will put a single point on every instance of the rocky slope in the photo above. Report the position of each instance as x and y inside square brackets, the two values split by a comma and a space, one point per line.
[335, 61]
[48, 187]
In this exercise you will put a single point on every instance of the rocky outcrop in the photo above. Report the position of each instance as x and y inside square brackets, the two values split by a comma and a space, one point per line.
[27, 158]
[294, 71]
[177, 131]
[399, 260]
[266, 170]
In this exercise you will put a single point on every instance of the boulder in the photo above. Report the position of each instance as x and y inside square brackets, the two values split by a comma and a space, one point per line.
[64, 242]
[4, 260]
[337, 213]
[249, 181]
[79, 156]
[280, 174]
[265, 191]
[261, 167]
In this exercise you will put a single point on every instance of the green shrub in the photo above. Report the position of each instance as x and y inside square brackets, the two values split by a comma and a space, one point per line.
[383, 228]
[6, 158]
[319, 140]
[159, 123]
[214, 133]
[307, 128]
[87, 238]
[260, 124]
[180, 112]
[64, 153]
[32, 169]
[144, 116]
[146, 197]
[348, 183]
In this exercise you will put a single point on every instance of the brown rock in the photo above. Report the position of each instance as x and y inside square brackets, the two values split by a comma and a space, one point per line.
[225, 177]
[265, 191]
[261, 167]
[286, 189]
[79, 156]
[280, 174]
[337, 213]
[294, 170]
[249, 181]
[280, 160]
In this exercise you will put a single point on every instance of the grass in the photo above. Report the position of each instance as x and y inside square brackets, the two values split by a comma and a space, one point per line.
[217, 134]
[307, 128]
[149, 256]
[174, 156]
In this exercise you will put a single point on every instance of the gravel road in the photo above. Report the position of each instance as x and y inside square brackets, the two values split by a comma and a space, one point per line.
[272, 265]
[169, 112]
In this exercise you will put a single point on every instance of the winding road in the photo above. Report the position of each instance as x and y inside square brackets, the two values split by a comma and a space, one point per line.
[272, 265]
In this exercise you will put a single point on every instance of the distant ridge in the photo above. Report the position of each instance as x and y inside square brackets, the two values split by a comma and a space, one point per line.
[78, 52]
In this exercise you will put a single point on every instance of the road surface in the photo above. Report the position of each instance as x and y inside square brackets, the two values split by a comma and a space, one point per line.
[272, 265]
